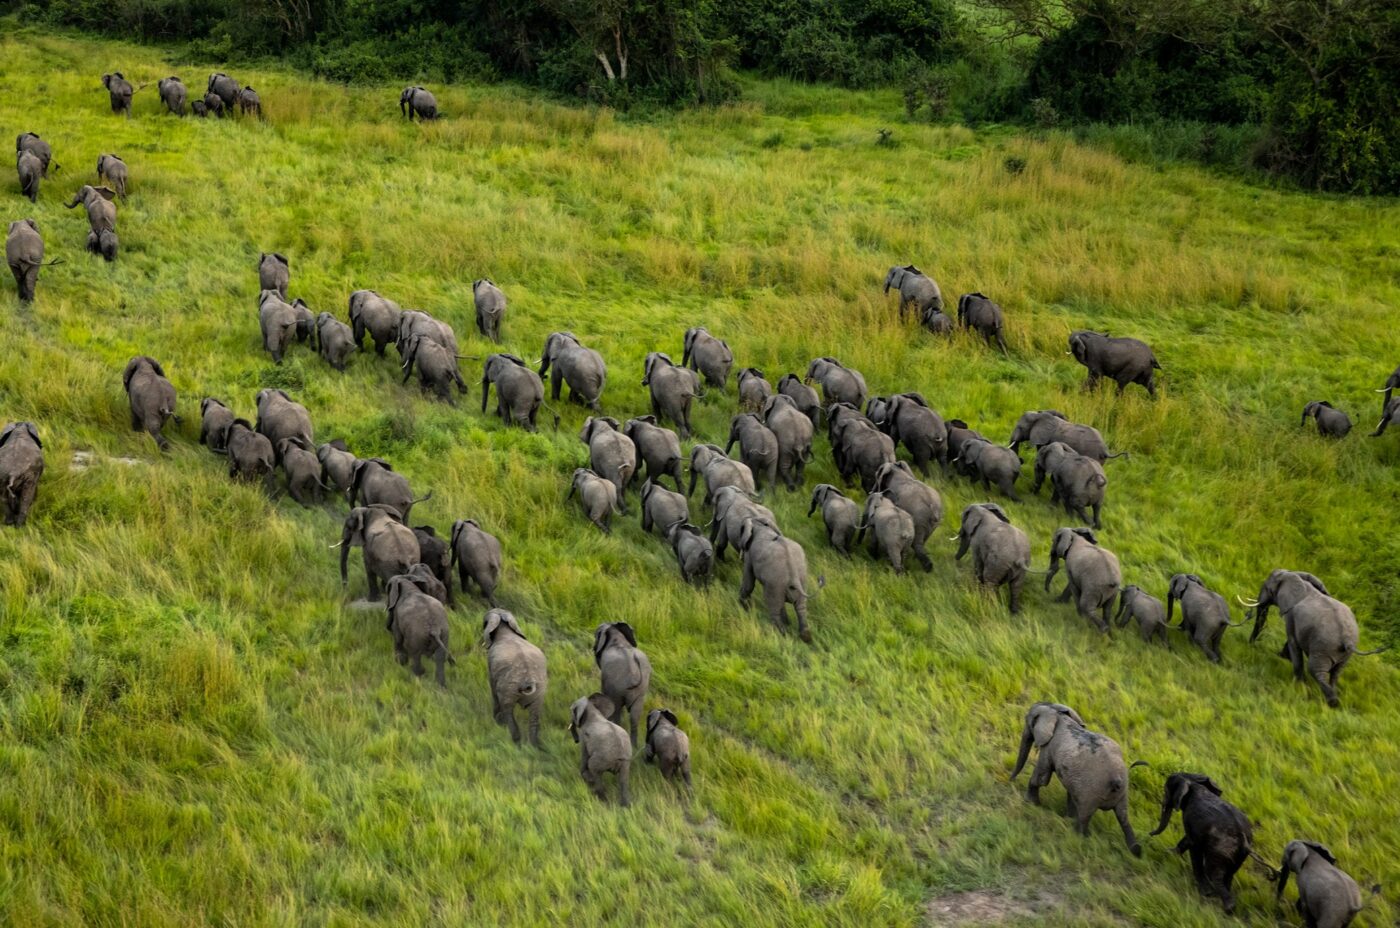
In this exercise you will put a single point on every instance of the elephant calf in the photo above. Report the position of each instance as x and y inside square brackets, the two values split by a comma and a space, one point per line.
[1331, 422]
[1147, 610]
[1217, 835]
[436, 555]
[803, 397]
[1122, 360]
[1327, 896]
[21, 467]
[718, 470]
[780, 565]
[668, 747]
[24, 252]
[389, 546]
[603, 746]
[695, 555]
[1001, 553]
[112, 170]
[662, 508]
[215, 419]
[758, 446]
[418, 623]
[891, 530]
[1077, 481]
[102, 219]
[598, 497]
[611, 454]
[477, 554]
[517, 671]
[249, 102]
[119, 91]
[625, 671]
[984, 317]
[274, 272]
[840, 515]
[335, 341]
[152, 398]
[302, 469]
[754, 390]
[337, 465]
[416, 101]
[658, 450]
[1204, 613]
[490, 308]
[1093, 574]
[915, 497]
[31, 170]
[437, 368]
[423, 577]
[250, 455]
[991, 464]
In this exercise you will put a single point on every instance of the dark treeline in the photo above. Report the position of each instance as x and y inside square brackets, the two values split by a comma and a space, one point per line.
[1316, 79]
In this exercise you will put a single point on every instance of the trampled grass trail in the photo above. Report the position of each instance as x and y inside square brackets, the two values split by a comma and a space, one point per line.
[195, 729]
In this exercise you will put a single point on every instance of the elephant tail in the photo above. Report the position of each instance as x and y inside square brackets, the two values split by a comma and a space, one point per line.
[442, 649]
[1155, 365]
[528, 689]
[1120, 454]
[1371, 652]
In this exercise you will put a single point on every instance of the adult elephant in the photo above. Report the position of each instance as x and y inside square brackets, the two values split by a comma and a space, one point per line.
[119, 91]
[419, 102]
[758, 448]
[519, 390]
[1217, 835]
[779, 564]
[415, 322]
[490, 308]
[793, 429]
[984, 317]
[1094, 577]
[1076, 481]
[858, 447]
[280, 417]
[374, 482]
[30, 170]
[1389, 416]
[916, 289]
[278, 320]
[709, 355]
[611, 454]
[30, 142]
[1204, 613]
[754, 389]
[376, 316]
[517, 671]
[24, 252]
[658, 449]
[991, 464]
[580, 367]
[390, 548]
[840, 384]
[1327, 896]
[910, 422]
[734, 507]
[625, 671]
[1122, 360]
[802, 396]
[718, 470]
[1331, 421]
[173, 94]
[274, 272]
[1040, 427]
[672, 388]
[151, 396]
[891, 530]
[915, 497]
[437, 368]
[1001, 553]
[21, 467]
[249, 102]
[1318, 629]
[102, 218]
[225, 88]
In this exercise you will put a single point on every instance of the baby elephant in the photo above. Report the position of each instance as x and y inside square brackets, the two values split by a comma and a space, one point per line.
[335, 341]
[477, 554]
[152, 398]
[24, 252]
[1204, 613]
[667, 746]
[694, 553]
[662, 508]
[603, 746]
[840, 515]
[302, 468]
[112, 169]
[1331, 422]
[418, 623]
[891, 530]
[21, 466]
[1217, 835]
[215, 419]
[1327, 896]
[517, 672]
[598, 496]
[1151, 615]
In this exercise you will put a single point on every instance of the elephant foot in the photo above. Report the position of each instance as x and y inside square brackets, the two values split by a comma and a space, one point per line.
[1135, 849]
[805, 634]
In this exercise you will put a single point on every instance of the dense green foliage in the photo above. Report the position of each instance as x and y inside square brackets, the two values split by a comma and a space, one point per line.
[198, 727]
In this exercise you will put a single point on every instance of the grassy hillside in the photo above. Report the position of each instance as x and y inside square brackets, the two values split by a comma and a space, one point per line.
[195, 729]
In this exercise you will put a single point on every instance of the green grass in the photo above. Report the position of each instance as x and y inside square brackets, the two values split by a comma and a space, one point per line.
[194, 729]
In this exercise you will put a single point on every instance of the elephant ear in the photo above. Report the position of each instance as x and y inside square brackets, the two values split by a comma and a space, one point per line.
[600, 642]
[576, 713]
[489, 623]
[1208, 783]
[107, 193]
[512, 624]
[1043, 724]
[627, 632]
[602, 704]
[666, 714]
[1314, 582]
[32, 224]
[1087, 534]
[997, 511]
[1178, 787]
[396, 586]
[1319, 849]
[131, 368]
[5, 435]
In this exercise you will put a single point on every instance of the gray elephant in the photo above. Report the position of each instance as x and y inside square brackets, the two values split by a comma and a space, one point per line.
[214, 104]
[416, 101]
[250, 455]
[1147, 610]
[1389, 416]
[519, 390]
[32, 143]
[477, 554]
[662, 508]
[173, 94]
[389, 546]
[959, 434]
[416, 322]
[1122, 360]
[603, 746]
[1093, 577]
[278, 322]
[672, 388]
[376, 316]
[891, 530]
[280, 417]
[840, 384]
[1204, 613]
[337, 465]
[112, 170]
[911, 423]
[916, 290]
[199, 108]
[779, 564]
[102, 218]
[274, 272]
[1001, 552]
[840, 515]
[1041, 427]
[625, 672]
[335, 341]
[437, 368]
[1327, 896]
[735, 506]
[991, 464]
[214, 419]
[306, 321]
[423, 577]
[597, 495]
[119, 91]
[1090, 766]
[758, 447]
[859, 448]
[1218, 836]
[517, 671]
[418, 624]
[1331, 422]
[1077, 482]
[710, 462]
[658, 449]
[803, 397]
[793, 430]
[668, 747]
[754, 389]
[224, 88]
[695, 555]
[24, 252]
[302, 469]
[435, 555]
[490, 308]
[152, 398]
[708, 355]
[21, 467]
[373, 481]
[984, 317]
[915, 497]
[611, 454]
[581, 368]
[1320, 630]
[937, 322]
[31, 170]
[249, 102]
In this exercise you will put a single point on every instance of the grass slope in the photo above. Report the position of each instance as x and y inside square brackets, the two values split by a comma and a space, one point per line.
[194, 729]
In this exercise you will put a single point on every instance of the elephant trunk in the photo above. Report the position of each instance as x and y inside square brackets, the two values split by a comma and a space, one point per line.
[1121, 617]
[1054, 569]
[1166, 814]
[1282, 878]
[1024, 752]
[1171, 603]
[345, 558]
[485, 389]
[1261, 618]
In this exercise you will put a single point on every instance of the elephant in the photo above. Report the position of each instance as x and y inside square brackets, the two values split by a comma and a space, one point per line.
[877, 410]
[1391, 382]
[119, 90]
[1204, 613]
[695, 555]
[980, 314]
[581, 368]
[1093, 577]
[519, 390]
[662, 508]
[437, 368]
[274, 272]
[603, 746]
[278, 321]
[937, 322]
[376, 316]
[249, 102]
[734, 507]
[518, 673]
[840, 515]
[915, 497]
[199, 108]
[214, 104]
[779, 564]
[672, 389]
[793, 429]
[335, 341]
[916, 289]
[708, 355]
[658, 449]
[1147, 609]
[24, 251]
[1319, 629]
[803, 397]
[1327, 896]
[910, 422]
[30, 142]
[436, 555]
[101, 213]
[1001, 552]
[625, 672]
[423, 577]
[839, 384]
[103, 243]
[598, 496]
[758, 447]
[281, 417]
[991, 464]
[719, 471]
[958, 436]
[891, 530]
[1331, 422]
[858, 447]
[611, 454]
[214, 420]
[416, 322]
[302, 469]
[112, 170]
[152, 398]
[337, 465]
[418, 623]
[172, 94]
[477, 554]
[30, 169]
[1122, 360]
[21, 468]
[389, 546]
[668, 747]
[306, 321]
[1076, 481]
[1041, 427]
[415, 101]
[1389, 416]
[1216, 834]
[250, 455]
[1090, 766]
[490, 308]
[754, 390]
[223, 88]
[374, 481]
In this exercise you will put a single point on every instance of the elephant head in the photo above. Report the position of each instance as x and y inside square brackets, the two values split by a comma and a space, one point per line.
[1064, 539]
[554, 346]
[688, 345]
[593, 424]
[494, 621]
[977, 515]
[579, 711]
[1295, 855]
[137, 364]
[755, 528]
[18, 428]
[580, 475]
[657, 716]
[1282, 588]
[1391, 383]
[1026, 426]
[1180, 583]
[654, 359]
[88, 192]
[880, 410]
[820, 494]
[1179, 786]
[610, 635]
[896, 275]
[1041, 721]
[1313, 408]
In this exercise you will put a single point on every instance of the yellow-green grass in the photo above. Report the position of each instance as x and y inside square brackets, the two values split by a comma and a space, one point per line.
[195, 729]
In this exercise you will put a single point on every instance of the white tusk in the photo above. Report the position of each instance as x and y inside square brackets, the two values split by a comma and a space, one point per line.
[336, 545]
[1246, 603]
[1381, 390]
[953, 537]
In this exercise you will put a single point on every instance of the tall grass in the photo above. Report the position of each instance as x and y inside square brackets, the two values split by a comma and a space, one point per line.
[195, 728]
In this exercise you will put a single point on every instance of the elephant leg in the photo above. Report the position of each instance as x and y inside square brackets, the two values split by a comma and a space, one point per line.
[373, 583]
[799, 608]
[1294, 653]
[535, 723]
[924, 560]
[1120, 812]
[1040, 776]
[1072, 811]
[1083, 516]
[512, 725]
[897, 560]
[440, 659]
[624, 794]
[776, 603]
[635, 711]
[595, 782]
[1008, 487]
[1068, 593]
[1323, 676]
[418, 668]
[1015, 589]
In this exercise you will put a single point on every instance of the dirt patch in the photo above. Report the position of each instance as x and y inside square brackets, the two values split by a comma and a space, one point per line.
[365, 605]
[986, 907]
[82, 460]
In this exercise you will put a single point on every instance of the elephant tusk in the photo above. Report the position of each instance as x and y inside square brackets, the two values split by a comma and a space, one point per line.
[953, 537]
[1248, 604]
[336, 545]
[1381, 390]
